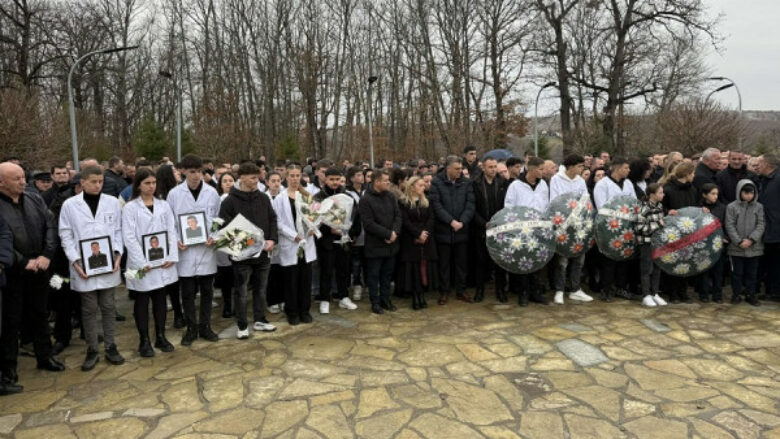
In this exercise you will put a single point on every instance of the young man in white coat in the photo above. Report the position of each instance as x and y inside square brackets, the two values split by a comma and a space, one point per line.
[88, 216]
[197, 263]
[530, 190]
[569, 182]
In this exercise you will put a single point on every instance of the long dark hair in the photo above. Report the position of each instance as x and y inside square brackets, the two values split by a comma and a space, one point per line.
[638, 167]
[166, 180]
[140, 175]
[219, 181]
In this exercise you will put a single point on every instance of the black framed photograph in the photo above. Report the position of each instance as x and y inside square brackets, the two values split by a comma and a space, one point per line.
[155, 248]
[97, 256]
[193, 228]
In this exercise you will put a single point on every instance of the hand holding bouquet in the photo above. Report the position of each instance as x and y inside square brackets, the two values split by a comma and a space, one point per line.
[240, 239]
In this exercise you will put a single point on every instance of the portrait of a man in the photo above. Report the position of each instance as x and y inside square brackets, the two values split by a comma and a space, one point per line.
[194, 230]
[155, 252]
[97, 259]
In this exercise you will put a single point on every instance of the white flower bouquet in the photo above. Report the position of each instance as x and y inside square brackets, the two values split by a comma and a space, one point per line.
[56, 281]
[240, 239]
[309, 215]
[336, 213]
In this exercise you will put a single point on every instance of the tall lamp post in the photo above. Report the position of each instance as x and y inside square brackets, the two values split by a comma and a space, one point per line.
[739, 97]
[71, 106]
[169, 75]
[371, 81]
[536, 116]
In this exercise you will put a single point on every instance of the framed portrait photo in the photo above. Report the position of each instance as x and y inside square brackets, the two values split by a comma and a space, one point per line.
[155, 248]
[97, 256]
[193, 228]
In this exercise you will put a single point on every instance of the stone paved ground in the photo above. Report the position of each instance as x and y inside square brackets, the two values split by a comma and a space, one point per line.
[458, 371]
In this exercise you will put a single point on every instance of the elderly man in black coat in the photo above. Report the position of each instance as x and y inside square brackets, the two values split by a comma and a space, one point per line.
[452, 198]
[381, 219]
[707, 169]
[728, 178]
[34, 243]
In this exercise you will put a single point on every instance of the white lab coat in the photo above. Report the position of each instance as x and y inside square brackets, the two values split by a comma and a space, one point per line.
[561, 184]
[606, 189]
[288, 230]
[196, 260]
[137, 221]
[76, 223]
[520, 193]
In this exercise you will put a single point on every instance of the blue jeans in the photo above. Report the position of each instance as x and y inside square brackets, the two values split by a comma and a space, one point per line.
[744, 275]
[379, 272]
[253, 276]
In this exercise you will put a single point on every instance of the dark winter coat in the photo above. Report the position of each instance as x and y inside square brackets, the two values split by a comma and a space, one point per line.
[113, 184]
[60, 263]
[256, 207]
[678, 195]
[769, 197]
[326, 240]
[727, 180]
[718, 210]
[33, 227]
[703, 175]
[6, 250]
[380, 216]
[415, 220]
[452, 200]
[482, 212]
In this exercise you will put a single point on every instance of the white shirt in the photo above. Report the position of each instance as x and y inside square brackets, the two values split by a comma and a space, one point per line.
[138, 221]
[196, 260]
[289, 230]
[606, 189]
[520, 193]
[560, 184]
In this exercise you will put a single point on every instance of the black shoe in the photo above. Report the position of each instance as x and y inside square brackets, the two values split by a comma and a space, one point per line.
[162, 343]
[606, 296]
[205, 332]
[479, 296]
[388, 305]
[226, 314]
[145, 348]
[423, 303]
[501, 296]
[523, 299]
[377, 309]
[51, 364]
[415, 302]
[11, 376]
[9, 387]
[306, 318]
[190, 335]
[736, 299]
[178, 322]
[686, 298]
[113, 356]
[120, 317]
[293, 320]
[464, 297]
[90, 361]
[752, 301]
[539, 298]
[57, 348]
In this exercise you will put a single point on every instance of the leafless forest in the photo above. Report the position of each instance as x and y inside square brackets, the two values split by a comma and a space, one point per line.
[289, 78]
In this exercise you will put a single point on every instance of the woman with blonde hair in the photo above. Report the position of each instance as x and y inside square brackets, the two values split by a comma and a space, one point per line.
[418, 250]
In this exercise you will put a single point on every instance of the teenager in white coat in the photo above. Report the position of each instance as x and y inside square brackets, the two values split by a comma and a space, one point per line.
[146, 214]
[296, 249]
[197, 263]
[89, 216]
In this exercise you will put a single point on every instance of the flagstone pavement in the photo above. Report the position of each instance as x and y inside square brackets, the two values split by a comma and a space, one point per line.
[456, 371]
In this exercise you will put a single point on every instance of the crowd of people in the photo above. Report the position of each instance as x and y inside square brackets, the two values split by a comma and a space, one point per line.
[417, 228]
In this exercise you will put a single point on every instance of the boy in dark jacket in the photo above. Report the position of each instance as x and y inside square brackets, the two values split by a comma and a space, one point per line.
[255, 206]
[710, 281]
[745, 228]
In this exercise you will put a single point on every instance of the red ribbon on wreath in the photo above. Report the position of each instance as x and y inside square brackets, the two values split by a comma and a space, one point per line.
[696, 236]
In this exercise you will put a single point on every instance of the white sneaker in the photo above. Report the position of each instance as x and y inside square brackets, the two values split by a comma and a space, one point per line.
[659, 301]
[581, 296]
[347, 304]
[324, 307]
[243, 334]
[264, 326]
[649, 302]
[357, 291]
[558, 297]
[274, 309]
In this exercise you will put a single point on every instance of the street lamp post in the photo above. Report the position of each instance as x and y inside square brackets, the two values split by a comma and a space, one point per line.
[169, 75]
[536, 116]
[71, 106]
[739, 97]
[371, 81]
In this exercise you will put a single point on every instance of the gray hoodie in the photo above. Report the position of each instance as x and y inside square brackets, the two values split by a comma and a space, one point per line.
[745, 220]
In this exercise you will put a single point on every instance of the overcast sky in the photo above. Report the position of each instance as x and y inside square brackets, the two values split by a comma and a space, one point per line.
[750, 53]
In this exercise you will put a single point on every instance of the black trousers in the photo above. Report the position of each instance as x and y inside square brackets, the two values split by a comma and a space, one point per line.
[297, 288]
[141, 310]
[189, 288]
[225, 283]
[67, 304]
[453, 259]
[274, 294]
[174, 293]
[613, 274]
[336, 259]
[24, 299]
[485, 266]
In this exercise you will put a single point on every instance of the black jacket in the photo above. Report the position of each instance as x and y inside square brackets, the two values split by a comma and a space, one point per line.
[6, 250]
[482, 212]
[769, 196]
[703, 175]
[113, 184]
[256, 207]
[415, 220]
[678, 195]
[60, 263]
[718, 210]
[452, 201]
[327, 238]
[727, 180]
[33, 227]
[380, 215]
